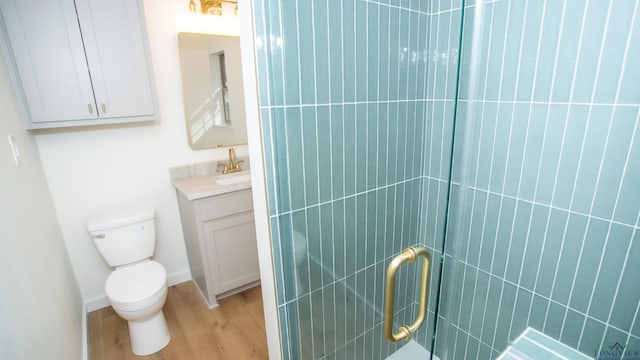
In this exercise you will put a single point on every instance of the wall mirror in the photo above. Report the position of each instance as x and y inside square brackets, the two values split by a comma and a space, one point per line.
[212, 90]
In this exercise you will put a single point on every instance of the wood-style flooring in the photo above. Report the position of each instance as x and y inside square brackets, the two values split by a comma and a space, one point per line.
[234, 330]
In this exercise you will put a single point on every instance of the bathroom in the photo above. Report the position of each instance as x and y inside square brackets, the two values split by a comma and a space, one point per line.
[82, 172]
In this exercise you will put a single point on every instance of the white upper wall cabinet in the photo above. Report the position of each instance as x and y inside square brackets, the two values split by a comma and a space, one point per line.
[79, 63]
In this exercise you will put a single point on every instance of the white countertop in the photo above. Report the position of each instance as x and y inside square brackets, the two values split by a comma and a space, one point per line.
[197, 187]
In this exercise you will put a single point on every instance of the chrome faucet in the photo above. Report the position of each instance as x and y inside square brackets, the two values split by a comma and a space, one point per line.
[233, 165]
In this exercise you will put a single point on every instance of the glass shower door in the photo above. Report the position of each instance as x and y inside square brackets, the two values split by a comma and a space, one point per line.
[545, 208]
[359, 103]
[345, 94]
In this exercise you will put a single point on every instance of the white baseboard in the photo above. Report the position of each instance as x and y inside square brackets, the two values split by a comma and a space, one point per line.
[96, 303]
[178, 278]
[85, 333]
[101, 301]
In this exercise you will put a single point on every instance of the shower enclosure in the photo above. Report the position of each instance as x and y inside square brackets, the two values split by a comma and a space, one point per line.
[499, 135]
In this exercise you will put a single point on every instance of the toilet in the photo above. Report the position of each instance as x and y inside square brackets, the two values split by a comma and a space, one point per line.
[137, 288]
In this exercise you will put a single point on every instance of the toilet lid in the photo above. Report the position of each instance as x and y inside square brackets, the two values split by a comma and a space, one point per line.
[136, 282]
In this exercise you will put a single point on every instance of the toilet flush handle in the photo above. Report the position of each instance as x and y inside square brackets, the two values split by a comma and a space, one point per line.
[99, 236]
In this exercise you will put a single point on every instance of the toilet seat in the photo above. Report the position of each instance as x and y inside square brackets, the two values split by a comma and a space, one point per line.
[136, 286]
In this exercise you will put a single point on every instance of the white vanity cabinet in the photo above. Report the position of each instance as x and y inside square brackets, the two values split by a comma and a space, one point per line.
[221, 243]
[82, 62]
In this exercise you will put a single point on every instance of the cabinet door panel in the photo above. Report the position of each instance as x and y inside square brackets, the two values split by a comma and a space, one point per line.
[232, 251]
[115, 44]
[47, 47]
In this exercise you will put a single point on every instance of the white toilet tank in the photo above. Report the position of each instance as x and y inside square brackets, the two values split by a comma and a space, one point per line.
[124, 237]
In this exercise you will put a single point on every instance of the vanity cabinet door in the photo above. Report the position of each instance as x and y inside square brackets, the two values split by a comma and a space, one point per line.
[232, 251]
[49, 60]
[81, 62]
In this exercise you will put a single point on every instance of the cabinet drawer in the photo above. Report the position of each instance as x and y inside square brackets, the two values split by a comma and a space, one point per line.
[224, 205]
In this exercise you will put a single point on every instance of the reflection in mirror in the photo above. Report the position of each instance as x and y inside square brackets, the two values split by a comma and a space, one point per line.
[212, 90]
[220, 90]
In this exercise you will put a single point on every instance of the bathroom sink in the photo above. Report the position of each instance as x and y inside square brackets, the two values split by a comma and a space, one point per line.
[232, 179]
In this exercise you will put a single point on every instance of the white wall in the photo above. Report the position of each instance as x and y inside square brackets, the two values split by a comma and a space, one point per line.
[96, 170]
[40, 304]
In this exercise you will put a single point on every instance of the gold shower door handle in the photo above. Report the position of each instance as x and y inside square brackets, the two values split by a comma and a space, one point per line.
[408, 255]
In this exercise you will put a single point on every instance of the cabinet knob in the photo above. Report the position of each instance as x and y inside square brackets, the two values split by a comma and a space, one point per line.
[104, 108]
[90, 108]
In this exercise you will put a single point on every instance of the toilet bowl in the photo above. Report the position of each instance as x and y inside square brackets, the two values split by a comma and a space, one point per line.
[137, 293]
[137, 288]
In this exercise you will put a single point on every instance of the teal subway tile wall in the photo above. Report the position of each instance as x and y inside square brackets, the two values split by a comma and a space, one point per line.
[343, 124]
[548, 234]
[359, 103]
